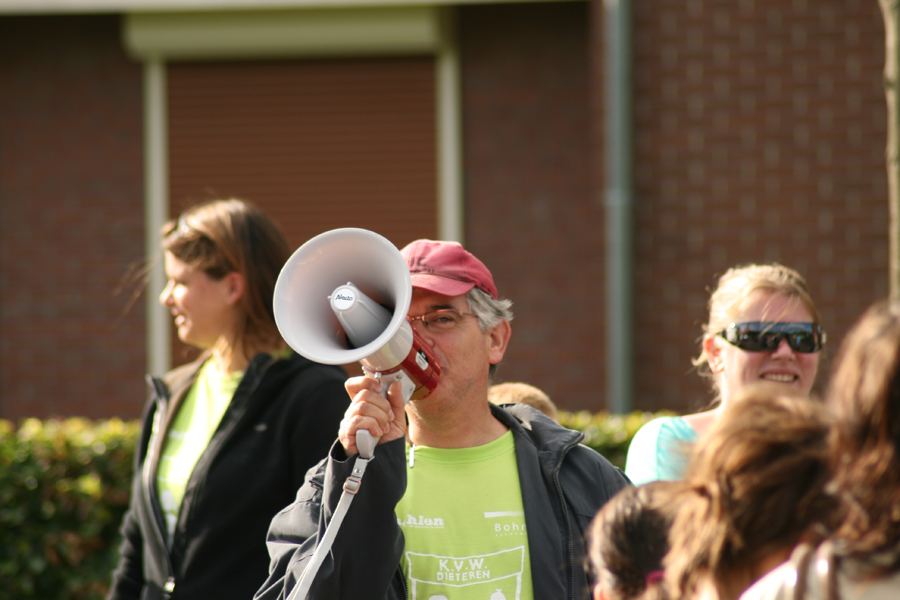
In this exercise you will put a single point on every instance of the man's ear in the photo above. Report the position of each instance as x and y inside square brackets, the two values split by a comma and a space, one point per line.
[713, 353]
[235, 285]
[498, 340]
[598, 593]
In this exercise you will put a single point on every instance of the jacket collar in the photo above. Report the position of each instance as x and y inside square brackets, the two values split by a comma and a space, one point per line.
[550, 438]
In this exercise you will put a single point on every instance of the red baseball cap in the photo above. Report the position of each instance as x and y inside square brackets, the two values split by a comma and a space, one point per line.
[446, 268]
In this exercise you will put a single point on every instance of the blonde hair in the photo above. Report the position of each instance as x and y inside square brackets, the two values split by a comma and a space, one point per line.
[503, 393]
[733, 289]
[227, 236]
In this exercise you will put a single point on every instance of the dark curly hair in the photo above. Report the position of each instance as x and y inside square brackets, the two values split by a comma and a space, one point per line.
[630, 536]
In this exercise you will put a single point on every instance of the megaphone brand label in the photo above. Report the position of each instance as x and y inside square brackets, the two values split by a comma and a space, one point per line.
[343, 298]
[422, 359]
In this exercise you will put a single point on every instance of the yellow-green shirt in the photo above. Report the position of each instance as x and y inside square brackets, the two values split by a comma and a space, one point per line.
[463, 523]
[193, 427]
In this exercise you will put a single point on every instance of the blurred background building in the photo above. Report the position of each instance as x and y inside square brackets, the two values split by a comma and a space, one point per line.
[605, 174]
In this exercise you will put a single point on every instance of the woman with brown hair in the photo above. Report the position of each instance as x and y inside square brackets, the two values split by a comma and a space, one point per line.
[861, 559]
[227, 439]
[763, 326]
[755, 489]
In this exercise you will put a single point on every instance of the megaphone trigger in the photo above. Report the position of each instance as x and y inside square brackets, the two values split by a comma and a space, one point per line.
[365, 441]
[407, 385]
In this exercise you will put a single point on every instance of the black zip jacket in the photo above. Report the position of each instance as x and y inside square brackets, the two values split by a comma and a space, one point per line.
[563, 485]
[281, 421]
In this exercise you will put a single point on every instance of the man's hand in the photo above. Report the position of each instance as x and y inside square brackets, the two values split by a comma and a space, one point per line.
[383, 417]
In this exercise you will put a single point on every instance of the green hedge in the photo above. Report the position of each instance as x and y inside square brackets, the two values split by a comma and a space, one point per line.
[608, 434]
[64, 487]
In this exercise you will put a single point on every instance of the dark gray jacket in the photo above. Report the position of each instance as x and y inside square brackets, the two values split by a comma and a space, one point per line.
[280, 422]
[563, 485]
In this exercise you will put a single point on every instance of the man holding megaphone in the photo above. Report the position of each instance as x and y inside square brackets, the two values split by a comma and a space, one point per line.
[463, 499]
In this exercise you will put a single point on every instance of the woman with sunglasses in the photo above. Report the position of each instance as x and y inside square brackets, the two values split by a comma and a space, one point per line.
[763, 326]
[227, 439]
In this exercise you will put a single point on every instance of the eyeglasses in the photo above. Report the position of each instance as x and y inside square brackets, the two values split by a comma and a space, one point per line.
[440, 320]
[766, 336]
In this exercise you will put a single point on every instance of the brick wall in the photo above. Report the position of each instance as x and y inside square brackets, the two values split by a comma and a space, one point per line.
[759, 137]
[760, 131]
[531, 213]
[759, 125]
[71, 210]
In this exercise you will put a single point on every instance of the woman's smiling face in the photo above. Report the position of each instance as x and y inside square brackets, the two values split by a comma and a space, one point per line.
[202, 307]
[736, 368]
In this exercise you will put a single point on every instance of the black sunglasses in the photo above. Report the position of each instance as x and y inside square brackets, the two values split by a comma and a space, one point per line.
[766, 336]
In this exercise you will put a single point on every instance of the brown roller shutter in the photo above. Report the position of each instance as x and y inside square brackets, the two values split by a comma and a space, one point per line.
[318, 144]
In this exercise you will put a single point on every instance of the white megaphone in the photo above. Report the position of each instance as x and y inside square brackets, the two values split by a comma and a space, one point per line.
[343, 297]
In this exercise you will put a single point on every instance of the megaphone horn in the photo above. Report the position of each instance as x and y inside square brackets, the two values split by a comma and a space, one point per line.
[342, 297]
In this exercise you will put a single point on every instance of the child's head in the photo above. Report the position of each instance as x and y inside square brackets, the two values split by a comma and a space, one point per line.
[629, 538]
[507, 393]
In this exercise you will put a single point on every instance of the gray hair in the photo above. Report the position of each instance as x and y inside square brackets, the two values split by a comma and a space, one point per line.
[490, 313]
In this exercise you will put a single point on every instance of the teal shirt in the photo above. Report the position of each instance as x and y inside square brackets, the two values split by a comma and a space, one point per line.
[660, 450]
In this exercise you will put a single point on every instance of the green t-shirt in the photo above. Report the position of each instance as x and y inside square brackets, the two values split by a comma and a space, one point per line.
[191, 430]
[464, 524]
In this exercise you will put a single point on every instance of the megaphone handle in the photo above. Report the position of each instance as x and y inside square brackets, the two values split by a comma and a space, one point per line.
[365, 441]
